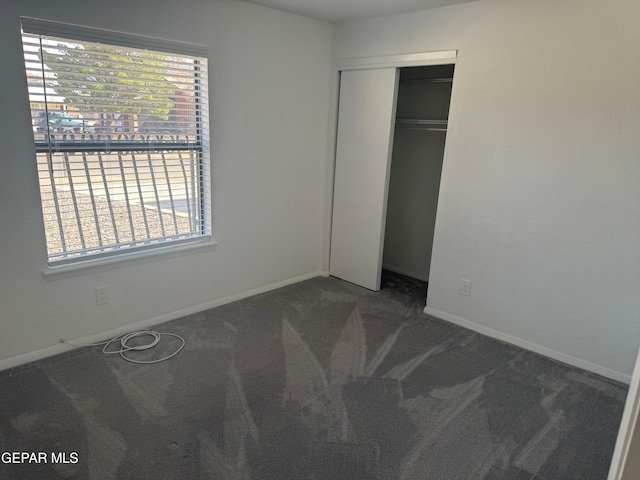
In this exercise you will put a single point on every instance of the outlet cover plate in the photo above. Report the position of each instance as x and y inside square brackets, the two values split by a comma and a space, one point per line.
[102, 295]
[465, 287]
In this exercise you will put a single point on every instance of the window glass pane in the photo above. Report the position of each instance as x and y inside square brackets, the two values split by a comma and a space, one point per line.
[97, 202]
[99, 89]
[120, 136]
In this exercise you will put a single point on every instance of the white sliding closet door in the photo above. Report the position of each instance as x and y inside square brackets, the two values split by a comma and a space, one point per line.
[366, 120]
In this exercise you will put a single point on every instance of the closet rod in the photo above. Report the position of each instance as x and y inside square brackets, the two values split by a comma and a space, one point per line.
[425, 129]
[432, 125]
[420, 81]
[421, 121]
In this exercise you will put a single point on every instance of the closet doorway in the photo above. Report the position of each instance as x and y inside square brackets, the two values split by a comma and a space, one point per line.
[424, 95]
[370, 100]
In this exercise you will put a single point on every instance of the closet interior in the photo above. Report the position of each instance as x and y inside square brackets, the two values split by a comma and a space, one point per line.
[422, 112]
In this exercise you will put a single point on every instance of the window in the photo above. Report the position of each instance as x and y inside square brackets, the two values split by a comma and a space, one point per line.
[120, 126]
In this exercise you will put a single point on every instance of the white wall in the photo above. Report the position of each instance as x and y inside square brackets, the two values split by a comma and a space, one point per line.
[270, 83]
[539, 202]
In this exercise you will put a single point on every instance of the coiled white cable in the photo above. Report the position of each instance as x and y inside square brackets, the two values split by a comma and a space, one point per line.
[124, 347]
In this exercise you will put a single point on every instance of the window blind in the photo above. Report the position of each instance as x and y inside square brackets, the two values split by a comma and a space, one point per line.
[121, 140]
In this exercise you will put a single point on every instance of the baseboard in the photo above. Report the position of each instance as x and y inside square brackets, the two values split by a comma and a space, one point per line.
[519, 342]
[61, 348]
[406, 273]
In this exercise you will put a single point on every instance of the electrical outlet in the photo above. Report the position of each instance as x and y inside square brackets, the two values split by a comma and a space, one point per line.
[465, 287]
[102, 295]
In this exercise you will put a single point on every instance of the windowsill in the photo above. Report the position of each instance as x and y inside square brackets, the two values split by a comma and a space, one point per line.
[88, 266]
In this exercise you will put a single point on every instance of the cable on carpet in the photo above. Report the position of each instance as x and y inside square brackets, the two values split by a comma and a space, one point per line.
[124, 339]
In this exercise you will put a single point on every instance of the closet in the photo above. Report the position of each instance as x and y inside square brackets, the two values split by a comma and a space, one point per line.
[424, 94]
[377, 105]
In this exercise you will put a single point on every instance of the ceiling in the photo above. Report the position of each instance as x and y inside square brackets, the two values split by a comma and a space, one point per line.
[343, 10]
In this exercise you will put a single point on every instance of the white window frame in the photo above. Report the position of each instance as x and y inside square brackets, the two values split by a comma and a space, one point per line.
[147, 247]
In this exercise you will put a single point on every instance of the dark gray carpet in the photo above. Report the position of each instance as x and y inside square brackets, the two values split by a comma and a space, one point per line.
[321, 380]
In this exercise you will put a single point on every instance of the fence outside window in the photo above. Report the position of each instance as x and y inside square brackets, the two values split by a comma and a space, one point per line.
[97, 201]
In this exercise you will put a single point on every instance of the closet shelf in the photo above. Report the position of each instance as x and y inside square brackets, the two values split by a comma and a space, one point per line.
[432, 125]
